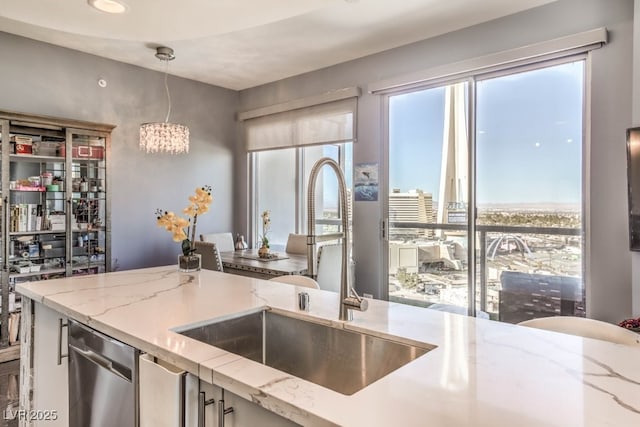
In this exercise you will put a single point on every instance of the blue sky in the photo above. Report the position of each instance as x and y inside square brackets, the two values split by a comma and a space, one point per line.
[529, 139]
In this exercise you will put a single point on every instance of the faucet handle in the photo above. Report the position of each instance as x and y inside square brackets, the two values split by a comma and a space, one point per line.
[354, 294]
[355, 301]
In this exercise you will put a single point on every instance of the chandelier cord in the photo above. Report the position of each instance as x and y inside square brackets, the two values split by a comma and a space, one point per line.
[166, 86]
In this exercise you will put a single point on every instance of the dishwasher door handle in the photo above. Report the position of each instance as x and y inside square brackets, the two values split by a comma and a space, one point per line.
[99, 360]
[61, 325]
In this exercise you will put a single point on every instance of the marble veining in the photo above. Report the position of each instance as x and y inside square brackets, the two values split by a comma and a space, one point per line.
[615, 398]
[579, 375]
[480, 373]
[141, 297]
[610, 371]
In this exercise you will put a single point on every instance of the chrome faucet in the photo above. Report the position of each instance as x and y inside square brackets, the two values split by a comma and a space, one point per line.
[349, 299]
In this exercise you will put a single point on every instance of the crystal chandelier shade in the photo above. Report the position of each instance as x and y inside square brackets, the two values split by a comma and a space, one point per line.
[164, 137]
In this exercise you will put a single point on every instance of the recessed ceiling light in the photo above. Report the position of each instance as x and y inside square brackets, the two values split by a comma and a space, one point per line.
[108, 6]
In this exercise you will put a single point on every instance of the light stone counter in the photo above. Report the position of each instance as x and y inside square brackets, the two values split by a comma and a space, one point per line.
[482, 373]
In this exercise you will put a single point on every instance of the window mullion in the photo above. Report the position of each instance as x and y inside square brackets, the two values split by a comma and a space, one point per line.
[471, 203]
[300, 187]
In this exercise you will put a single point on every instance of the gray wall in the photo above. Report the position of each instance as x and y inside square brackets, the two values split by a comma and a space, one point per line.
[609, 269]
[40, 78]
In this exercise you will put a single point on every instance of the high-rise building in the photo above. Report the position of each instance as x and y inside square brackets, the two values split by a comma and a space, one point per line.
[412, 206]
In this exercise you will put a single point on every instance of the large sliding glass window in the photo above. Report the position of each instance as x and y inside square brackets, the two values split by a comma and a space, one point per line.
[527, 145]
[529, 192]
[427, 197]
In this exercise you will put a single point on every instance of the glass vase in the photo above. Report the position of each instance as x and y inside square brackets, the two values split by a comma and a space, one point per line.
[189, 263]
[263, 252]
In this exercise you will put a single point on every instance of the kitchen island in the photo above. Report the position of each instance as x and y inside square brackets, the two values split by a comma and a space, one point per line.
[479, 372]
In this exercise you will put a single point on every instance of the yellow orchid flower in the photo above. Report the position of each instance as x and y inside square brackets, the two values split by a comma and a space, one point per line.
[190, 210]
[198, 205]
[179, 235]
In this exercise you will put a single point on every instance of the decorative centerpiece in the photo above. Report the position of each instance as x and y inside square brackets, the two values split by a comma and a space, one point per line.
[263, 252]
[198, 204]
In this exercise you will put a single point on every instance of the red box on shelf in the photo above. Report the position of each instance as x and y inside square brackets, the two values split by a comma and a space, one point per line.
[83, 152]
[23, 148]
[21, 144]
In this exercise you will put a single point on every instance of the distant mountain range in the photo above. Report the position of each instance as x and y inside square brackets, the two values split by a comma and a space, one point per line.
[546, 207]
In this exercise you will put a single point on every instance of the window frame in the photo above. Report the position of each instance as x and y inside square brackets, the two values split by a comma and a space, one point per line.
[300, 189]
[472, 78]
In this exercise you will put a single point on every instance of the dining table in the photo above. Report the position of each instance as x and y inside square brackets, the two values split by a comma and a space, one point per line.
[246, 262]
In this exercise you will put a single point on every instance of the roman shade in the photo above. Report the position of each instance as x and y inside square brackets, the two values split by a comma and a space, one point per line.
[312, 121]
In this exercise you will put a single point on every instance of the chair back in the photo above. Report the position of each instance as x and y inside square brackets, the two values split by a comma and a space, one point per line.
[588, 328]
[211, 259]
[296, 244]
[457, 309]
[224, 241]
[329, 267]
[295, 279]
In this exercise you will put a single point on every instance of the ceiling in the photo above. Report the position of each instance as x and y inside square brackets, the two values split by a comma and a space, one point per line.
[239, 44]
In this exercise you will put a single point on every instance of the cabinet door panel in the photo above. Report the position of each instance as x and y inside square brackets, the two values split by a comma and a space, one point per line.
[245, 413]
[50, 380]
[210, 411]
[88, 174]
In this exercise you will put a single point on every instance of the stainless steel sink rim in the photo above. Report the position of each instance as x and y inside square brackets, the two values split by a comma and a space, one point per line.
[314, 349]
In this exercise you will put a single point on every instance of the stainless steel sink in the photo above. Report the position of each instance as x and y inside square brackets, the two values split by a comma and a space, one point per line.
[341, 360]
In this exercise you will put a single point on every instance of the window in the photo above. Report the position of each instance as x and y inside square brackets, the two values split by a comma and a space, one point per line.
[281, 178]
[276, 172]
[284, 142]
[529, 192]
[526, 132]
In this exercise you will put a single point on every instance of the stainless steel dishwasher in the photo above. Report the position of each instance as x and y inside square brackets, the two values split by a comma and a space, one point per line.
[103, 380]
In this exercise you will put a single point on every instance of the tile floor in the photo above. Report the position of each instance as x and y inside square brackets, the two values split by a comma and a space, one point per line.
[9, 372]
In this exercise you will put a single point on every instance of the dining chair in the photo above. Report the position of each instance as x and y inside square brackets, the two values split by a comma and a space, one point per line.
[211, 259]
[329, 267]
[457, 309]
[295, 279]
[224, 241]
[296, 244]
[588, 328]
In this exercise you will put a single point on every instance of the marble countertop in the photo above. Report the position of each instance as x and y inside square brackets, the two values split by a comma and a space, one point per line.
[480, 373]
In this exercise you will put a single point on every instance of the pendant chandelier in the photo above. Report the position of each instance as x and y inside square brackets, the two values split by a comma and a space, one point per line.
[164, 137]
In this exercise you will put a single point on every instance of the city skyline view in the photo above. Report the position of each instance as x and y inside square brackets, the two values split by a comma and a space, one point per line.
[545, 105]
[528, 191]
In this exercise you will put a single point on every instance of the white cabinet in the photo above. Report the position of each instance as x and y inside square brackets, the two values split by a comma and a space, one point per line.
[245, 413]
[167, 394]
[50, 368]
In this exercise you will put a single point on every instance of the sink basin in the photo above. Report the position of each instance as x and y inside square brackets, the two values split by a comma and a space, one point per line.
[341, 360]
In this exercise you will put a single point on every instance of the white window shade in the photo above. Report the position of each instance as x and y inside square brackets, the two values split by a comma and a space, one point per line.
[331, 122]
